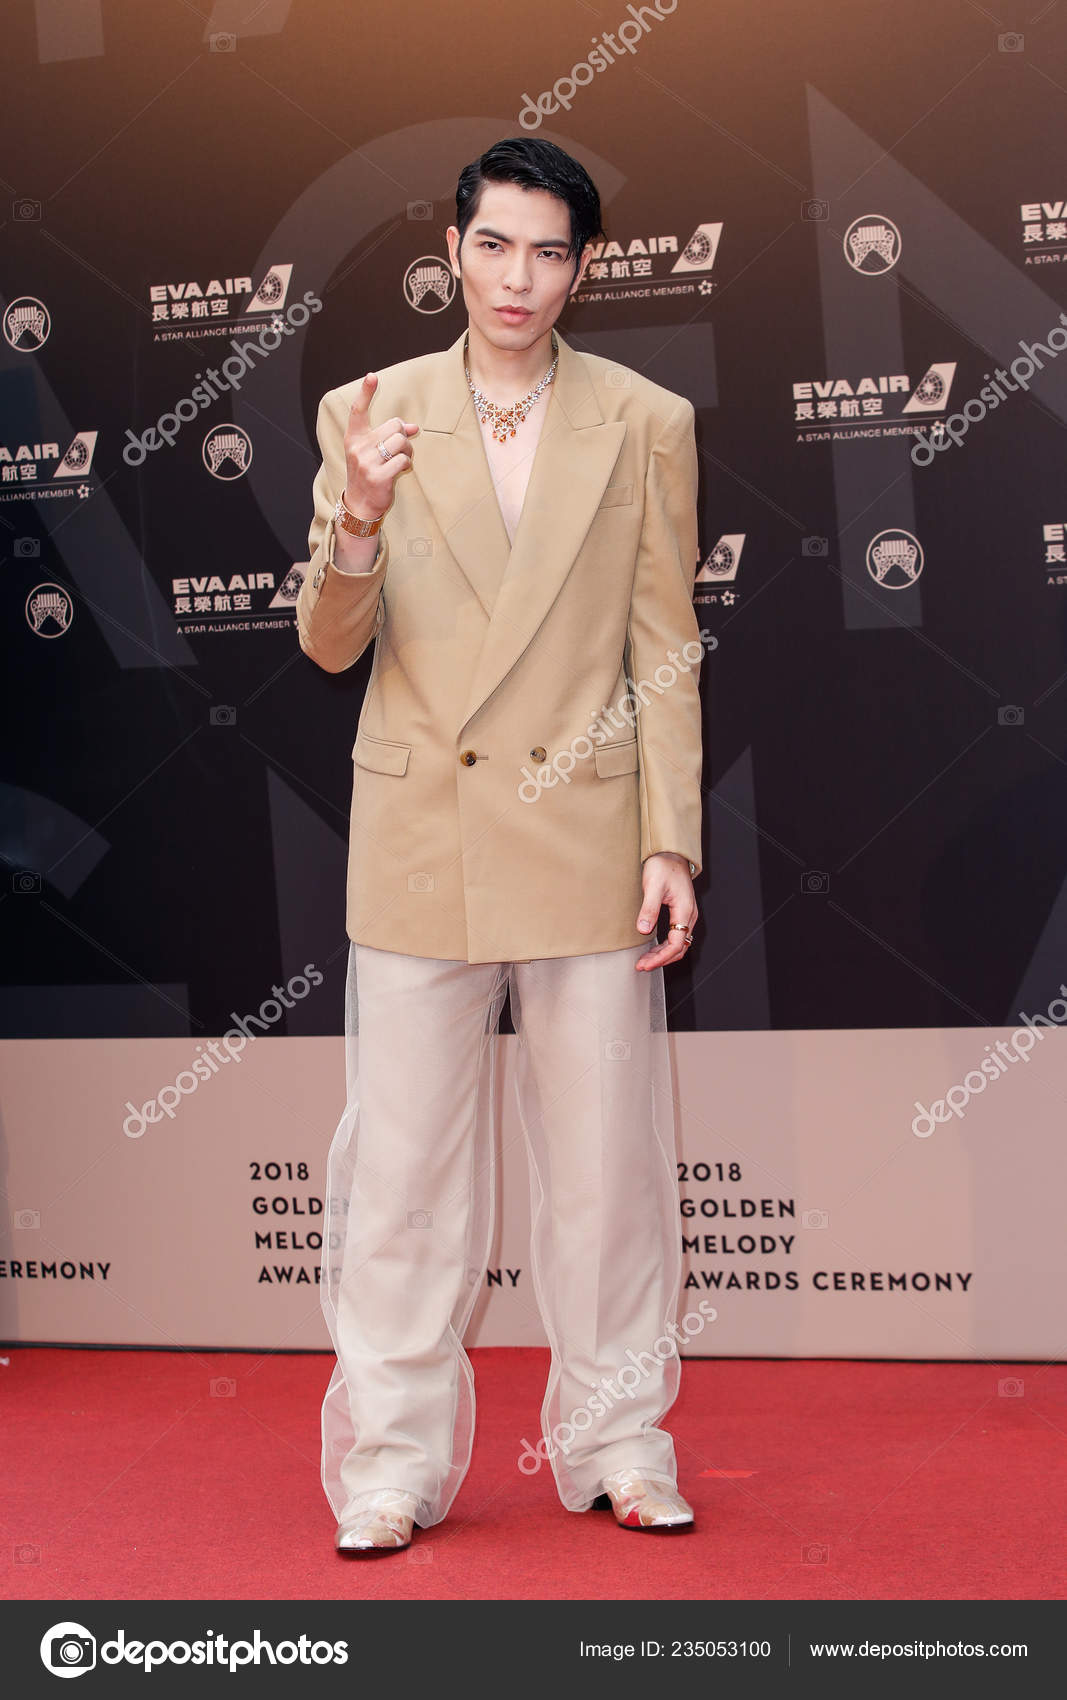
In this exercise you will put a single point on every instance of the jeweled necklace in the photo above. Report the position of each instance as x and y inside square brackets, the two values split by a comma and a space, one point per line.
[504, 420]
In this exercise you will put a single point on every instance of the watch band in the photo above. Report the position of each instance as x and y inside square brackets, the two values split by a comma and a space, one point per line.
[348, 521]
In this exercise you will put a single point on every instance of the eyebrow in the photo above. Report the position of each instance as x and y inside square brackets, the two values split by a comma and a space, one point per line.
[550, 242]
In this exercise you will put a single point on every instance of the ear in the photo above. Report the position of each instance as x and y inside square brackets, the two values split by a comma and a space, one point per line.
[587, 255]
[452, 237]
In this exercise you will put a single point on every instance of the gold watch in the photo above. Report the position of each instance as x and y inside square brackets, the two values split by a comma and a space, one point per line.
[348, 521]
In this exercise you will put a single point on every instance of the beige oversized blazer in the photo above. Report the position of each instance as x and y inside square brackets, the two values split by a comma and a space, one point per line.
[508, 779]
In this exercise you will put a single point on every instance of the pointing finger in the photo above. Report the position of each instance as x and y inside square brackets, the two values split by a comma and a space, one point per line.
[364, 397]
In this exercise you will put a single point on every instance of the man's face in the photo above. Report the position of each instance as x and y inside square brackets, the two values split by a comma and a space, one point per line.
[514, 255]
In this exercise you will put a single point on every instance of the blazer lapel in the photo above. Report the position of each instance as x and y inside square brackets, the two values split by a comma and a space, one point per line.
[572, 463]
[450, 467]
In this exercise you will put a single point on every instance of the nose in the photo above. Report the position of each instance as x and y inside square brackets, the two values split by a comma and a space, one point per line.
[517, 277]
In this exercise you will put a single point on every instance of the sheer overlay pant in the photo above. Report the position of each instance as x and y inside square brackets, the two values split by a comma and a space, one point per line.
[409, 1219]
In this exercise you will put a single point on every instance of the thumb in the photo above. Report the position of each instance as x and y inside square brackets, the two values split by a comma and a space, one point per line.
[646, 920]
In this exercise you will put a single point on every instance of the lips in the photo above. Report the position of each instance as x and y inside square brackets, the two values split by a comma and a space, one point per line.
[514, 312]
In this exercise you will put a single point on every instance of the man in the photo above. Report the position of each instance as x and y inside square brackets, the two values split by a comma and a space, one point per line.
[512, 523]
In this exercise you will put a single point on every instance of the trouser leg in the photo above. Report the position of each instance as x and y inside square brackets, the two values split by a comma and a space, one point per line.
[410, 1205]
[594, 1088]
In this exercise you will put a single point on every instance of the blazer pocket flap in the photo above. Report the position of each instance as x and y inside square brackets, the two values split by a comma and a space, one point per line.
[380, 755]
[615, 758]
[615, 495]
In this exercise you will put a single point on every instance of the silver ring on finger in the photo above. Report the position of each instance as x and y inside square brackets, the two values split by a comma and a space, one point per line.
[386, 454]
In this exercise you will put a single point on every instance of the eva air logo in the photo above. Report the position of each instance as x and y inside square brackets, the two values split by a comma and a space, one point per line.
[699, 253]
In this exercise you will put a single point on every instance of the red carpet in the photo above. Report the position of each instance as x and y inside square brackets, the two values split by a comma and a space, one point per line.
[127, 1478]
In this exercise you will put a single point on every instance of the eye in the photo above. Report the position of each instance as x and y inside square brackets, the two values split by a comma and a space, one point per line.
[488, 243]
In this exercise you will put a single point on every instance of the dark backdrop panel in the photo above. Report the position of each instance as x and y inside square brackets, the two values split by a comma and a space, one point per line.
[885, 756]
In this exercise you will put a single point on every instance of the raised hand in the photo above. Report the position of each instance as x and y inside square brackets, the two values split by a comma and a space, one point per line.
[370, 479]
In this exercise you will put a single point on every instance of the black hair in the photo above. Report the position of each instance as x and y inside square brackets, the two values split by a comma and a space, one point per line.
[533, 164]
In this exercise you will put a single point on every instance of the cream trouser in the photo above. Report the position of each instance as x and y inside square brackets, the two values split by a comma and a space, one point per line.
[409, 1219]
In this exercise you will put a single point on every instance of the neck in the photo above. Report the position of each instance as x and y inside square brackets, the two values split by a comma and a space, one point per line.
[507, 374]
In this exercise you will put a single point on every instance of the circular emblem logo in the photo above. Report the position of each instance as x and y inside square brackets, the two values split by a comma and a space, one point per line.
[429, 285]
[227, 452]
[872, 244]
[894, 559]
[27, 323]
[49, 610]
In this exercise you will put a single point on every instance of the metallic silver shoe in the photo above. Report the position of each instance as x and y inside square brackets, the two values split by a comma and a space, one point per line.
[646, 1502]
[382, 1521]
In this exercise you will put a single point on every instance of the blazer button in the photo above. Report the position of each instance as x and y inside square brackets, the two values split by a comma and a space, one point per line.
[538, 752]
[468, 758]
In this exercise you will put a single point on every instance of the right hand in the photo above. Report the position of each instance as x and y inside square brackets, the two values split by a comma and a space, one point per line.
[370, 479]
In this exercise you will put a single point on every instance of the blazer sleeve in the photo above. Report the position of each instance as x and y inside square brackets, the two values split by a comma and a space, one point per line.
[662, 620]
[337, 613]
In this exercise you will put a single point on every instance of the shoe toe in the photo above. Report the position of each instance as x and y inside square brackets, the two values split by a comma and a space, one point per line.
[381, 1521]
[643, 1503]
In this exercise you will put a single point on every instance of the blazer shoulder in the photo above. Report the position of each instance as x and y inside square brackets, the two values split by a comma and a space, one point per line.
[624, 393]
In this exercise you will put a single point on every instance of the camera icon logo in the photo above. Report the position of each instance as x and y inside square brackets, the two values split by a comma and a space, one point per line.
[223, 41]
[420, 1218]
[420, 882]
[1010, 715]
[420, 209]
[25, 211]
[27, 548]
[816, 1554]
[617, 1049]
[1011, 42]
[816, 1218]
[26, 882]
[814, 546]
[222, 1387]
[420, 545]
[617, 378]
[815, 210]
[223, 714]
[27, 1218]
[68, 1649]
[1010, 1387]
[815, 881]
